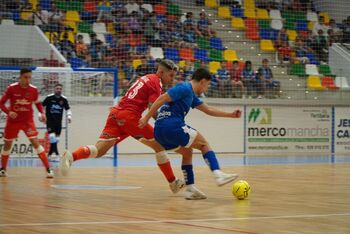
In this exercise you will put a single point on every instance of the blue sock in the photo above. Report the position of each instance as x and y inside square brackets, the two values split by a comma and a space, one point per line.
[187, 170]
[210, 159]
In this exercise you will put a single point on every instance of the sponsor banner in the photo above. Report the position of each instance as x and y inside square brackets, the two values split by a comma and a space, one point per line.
[285, 129]
[342, 130]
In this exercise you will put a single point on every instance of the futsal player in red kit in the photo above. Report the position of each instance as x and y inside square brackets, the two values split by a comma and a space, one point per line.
[123, 119]
[21, 96]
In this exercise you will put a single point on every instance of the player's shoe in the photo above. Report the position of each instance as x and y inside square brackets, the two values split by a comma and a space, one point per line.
[176, 185]
[3, 173]
[66, 162]
[192, 193]
[50, 173]
[223, 178]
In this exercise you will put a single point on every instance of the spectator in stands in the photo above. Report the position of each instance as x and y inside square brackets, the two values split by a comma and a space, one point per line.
[4, 12]
[150, 28]
[97, 52]
[56, 18]
[337, 32]
[134, 23]
[300, 51]
[81, 49]
[67, 47]
[190, 23]
[176, 38]
[120, 52]
[346, 31]
[143, 69]
[265, 81]
[133, 6]
[189, 36]
[284, 53]
[248, 76]
[203, 25]
[104, 11]
[236, 79]
[40, 17]
[320, 46]
[281, 38]
[223, 80]
[320, 25]
[188, 70]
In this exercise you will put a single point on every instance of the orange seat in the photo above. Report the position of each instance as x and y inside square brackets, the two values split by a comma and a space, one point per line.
[251, 23]
[90, 6]
[160, 9]
[186, 54]
[252, 34]
[328, 83]
[134, 40]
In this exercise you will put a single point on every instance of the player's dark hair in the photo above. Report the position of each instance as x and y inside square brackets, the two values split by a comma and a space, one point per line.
[201, 74]
[58, 84]
[24, 70]
[168, 64]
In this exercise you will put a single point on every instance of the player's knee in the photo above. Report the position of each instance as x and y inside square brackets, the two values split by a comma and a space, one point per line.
[94, 152]
[162, 157]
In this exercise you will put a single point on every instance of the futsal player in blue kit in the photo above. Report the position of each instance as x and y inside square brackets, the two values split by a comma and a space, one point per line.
[173, 133]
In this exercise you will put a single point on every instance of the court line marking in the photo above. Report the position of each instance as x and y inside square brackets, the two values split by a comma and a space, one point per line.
[179, 221]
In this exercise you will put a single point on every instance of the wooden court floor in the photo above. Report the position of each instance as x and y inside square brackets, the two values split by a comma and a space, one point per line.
[312, 198]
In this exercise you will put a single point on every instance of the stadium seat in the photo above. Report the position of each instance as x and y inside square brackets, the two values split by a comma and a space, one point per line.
[325, 70]
[99, 27]
[110, 28]
[312, 58]
[249, 4]
[34, 3]
[182, 64]
[292, 34]
[174, 9]
[276, 24]
[211, 3]
[101, 37]
[328, 83]
[314, 82]
[311, 16]
[224, 12]
[342, 82]
[275, 14]
[71, 25]
[130, 7]
[134, 40]
[7, 22]
[237, 12]
[90, 6]
[109, 39]
[250, 23]
[267, 45]
[172, 54]
[298, 70]
[72, 16]
[147, 7]
[249, 13]
[136, 63]
[237, 23]
[203, 42]
[311, 69]
[268, 34]
[262, 14]
[142, 49]
[252, 34]
[86, 38]
[84, 27]
[186, 54]
[310, 25]
[201, 54]
[25, 15]
[160, 9]
[71, 6]
[230, 55]
[215, 55]
[45, 4]
[264, 24]
[77, 62]
[326, 17]
[214, 66]
[71, 36]
[301, 26]
[216, 43]
[156, 53]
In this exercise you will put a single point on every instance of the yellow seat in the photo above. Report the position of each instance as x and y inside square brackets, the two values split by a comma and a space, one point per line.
[326, 17]
[182, 63]
[214, 66]
[136, 63]
[34, 3]
[249, 4]
[72, 16]
[224, 12]
[262, 14]
[72, 25]
[292, 34]
[121, 75]
[314, 82]
[71, 36]
[267, 45]
[237, 23]
[250, 13]
[25, 15]
[211, 3]
[230, 55]
[110, 28]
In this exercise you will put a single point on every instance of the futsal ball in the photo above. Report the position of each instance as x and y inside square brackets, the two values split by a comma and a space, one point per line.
[241, 189]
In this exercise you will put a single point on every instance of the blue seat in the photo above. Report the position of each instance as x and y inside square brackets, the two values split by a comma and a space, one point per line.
[216, 43]
[88, 17]
[268, 34]
[77, 62]
[201, 54]
[312, 58]
[16, 15]
[109, 39]
[237, 12]
[45, 5]
[142, 49]
[301, 26]
[160, 18]
[172, 54]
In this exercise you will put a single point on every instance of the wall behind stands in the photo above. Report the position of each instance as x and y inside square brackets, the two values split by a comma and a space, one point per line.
[337, 9]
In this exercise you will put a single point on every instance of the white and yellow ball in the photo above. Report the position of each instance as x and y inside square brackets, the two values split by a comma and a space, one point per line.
[241, 189]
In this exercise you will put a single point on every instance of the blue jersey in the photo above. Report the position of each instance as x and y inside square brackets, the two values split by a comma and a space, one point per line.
[183, 98]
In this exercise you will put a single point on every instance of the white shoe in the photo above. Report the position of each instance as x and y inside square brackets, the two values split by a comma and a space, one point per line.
[66, 162]
[192, 193]
[223, 178]
[176, 185]
[50, 174]
[3, 173]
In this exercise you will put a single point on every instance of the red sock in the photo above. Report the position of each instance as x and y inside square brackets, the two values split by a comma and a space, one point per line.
[44, 159]
[167, 171]
[81, 153]
[4, 159]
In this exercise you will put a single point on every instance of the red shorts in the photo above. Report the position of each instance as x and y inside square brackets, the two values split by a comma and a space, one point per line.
[12, 129]
[123, 123]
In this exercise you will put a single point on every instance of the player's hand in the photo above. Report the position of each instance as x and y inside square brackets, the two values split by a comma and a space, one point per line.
[237, 114]
[42, 118]
[12, 115]
[69, 120]
[143, 122]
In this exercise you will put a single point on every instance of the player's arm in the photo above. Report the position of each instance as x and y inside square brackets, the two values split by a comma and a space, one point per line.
[155, 114]
[40, 108]
[3, 106]
[212, 111]
[69, 112]
[164, 98]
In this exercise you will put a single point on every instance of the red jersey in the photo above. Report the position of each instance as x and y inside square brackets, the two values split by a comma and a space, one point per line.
[235, 74]
[144, 91]
[21, 101]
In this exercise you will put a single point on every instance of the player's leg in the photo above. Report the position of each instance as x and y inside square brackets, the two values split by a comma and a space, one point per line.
[42, 155]
[10, 134]
[57, 131]
[209, 156]
[52, 138]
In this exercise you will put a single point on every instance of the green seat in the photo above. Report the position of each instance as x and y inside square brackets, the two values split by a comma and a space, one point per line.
[23, 22]
[264, 24]
[84, 27]
[298, 70]
[325, 70]
[300, 16]
[62, 5]
[70, 6]
[203, 43]
[174, 9]
[215, 55]
[289, 24]
[197, 64]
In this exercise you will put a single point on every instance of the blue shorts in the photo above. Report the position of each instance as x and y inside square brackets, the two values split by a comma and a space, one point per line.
[171, 138]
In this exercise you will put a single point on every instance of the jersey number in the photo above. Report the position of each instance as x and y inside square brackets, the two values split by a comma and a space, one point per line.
[135, 89]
